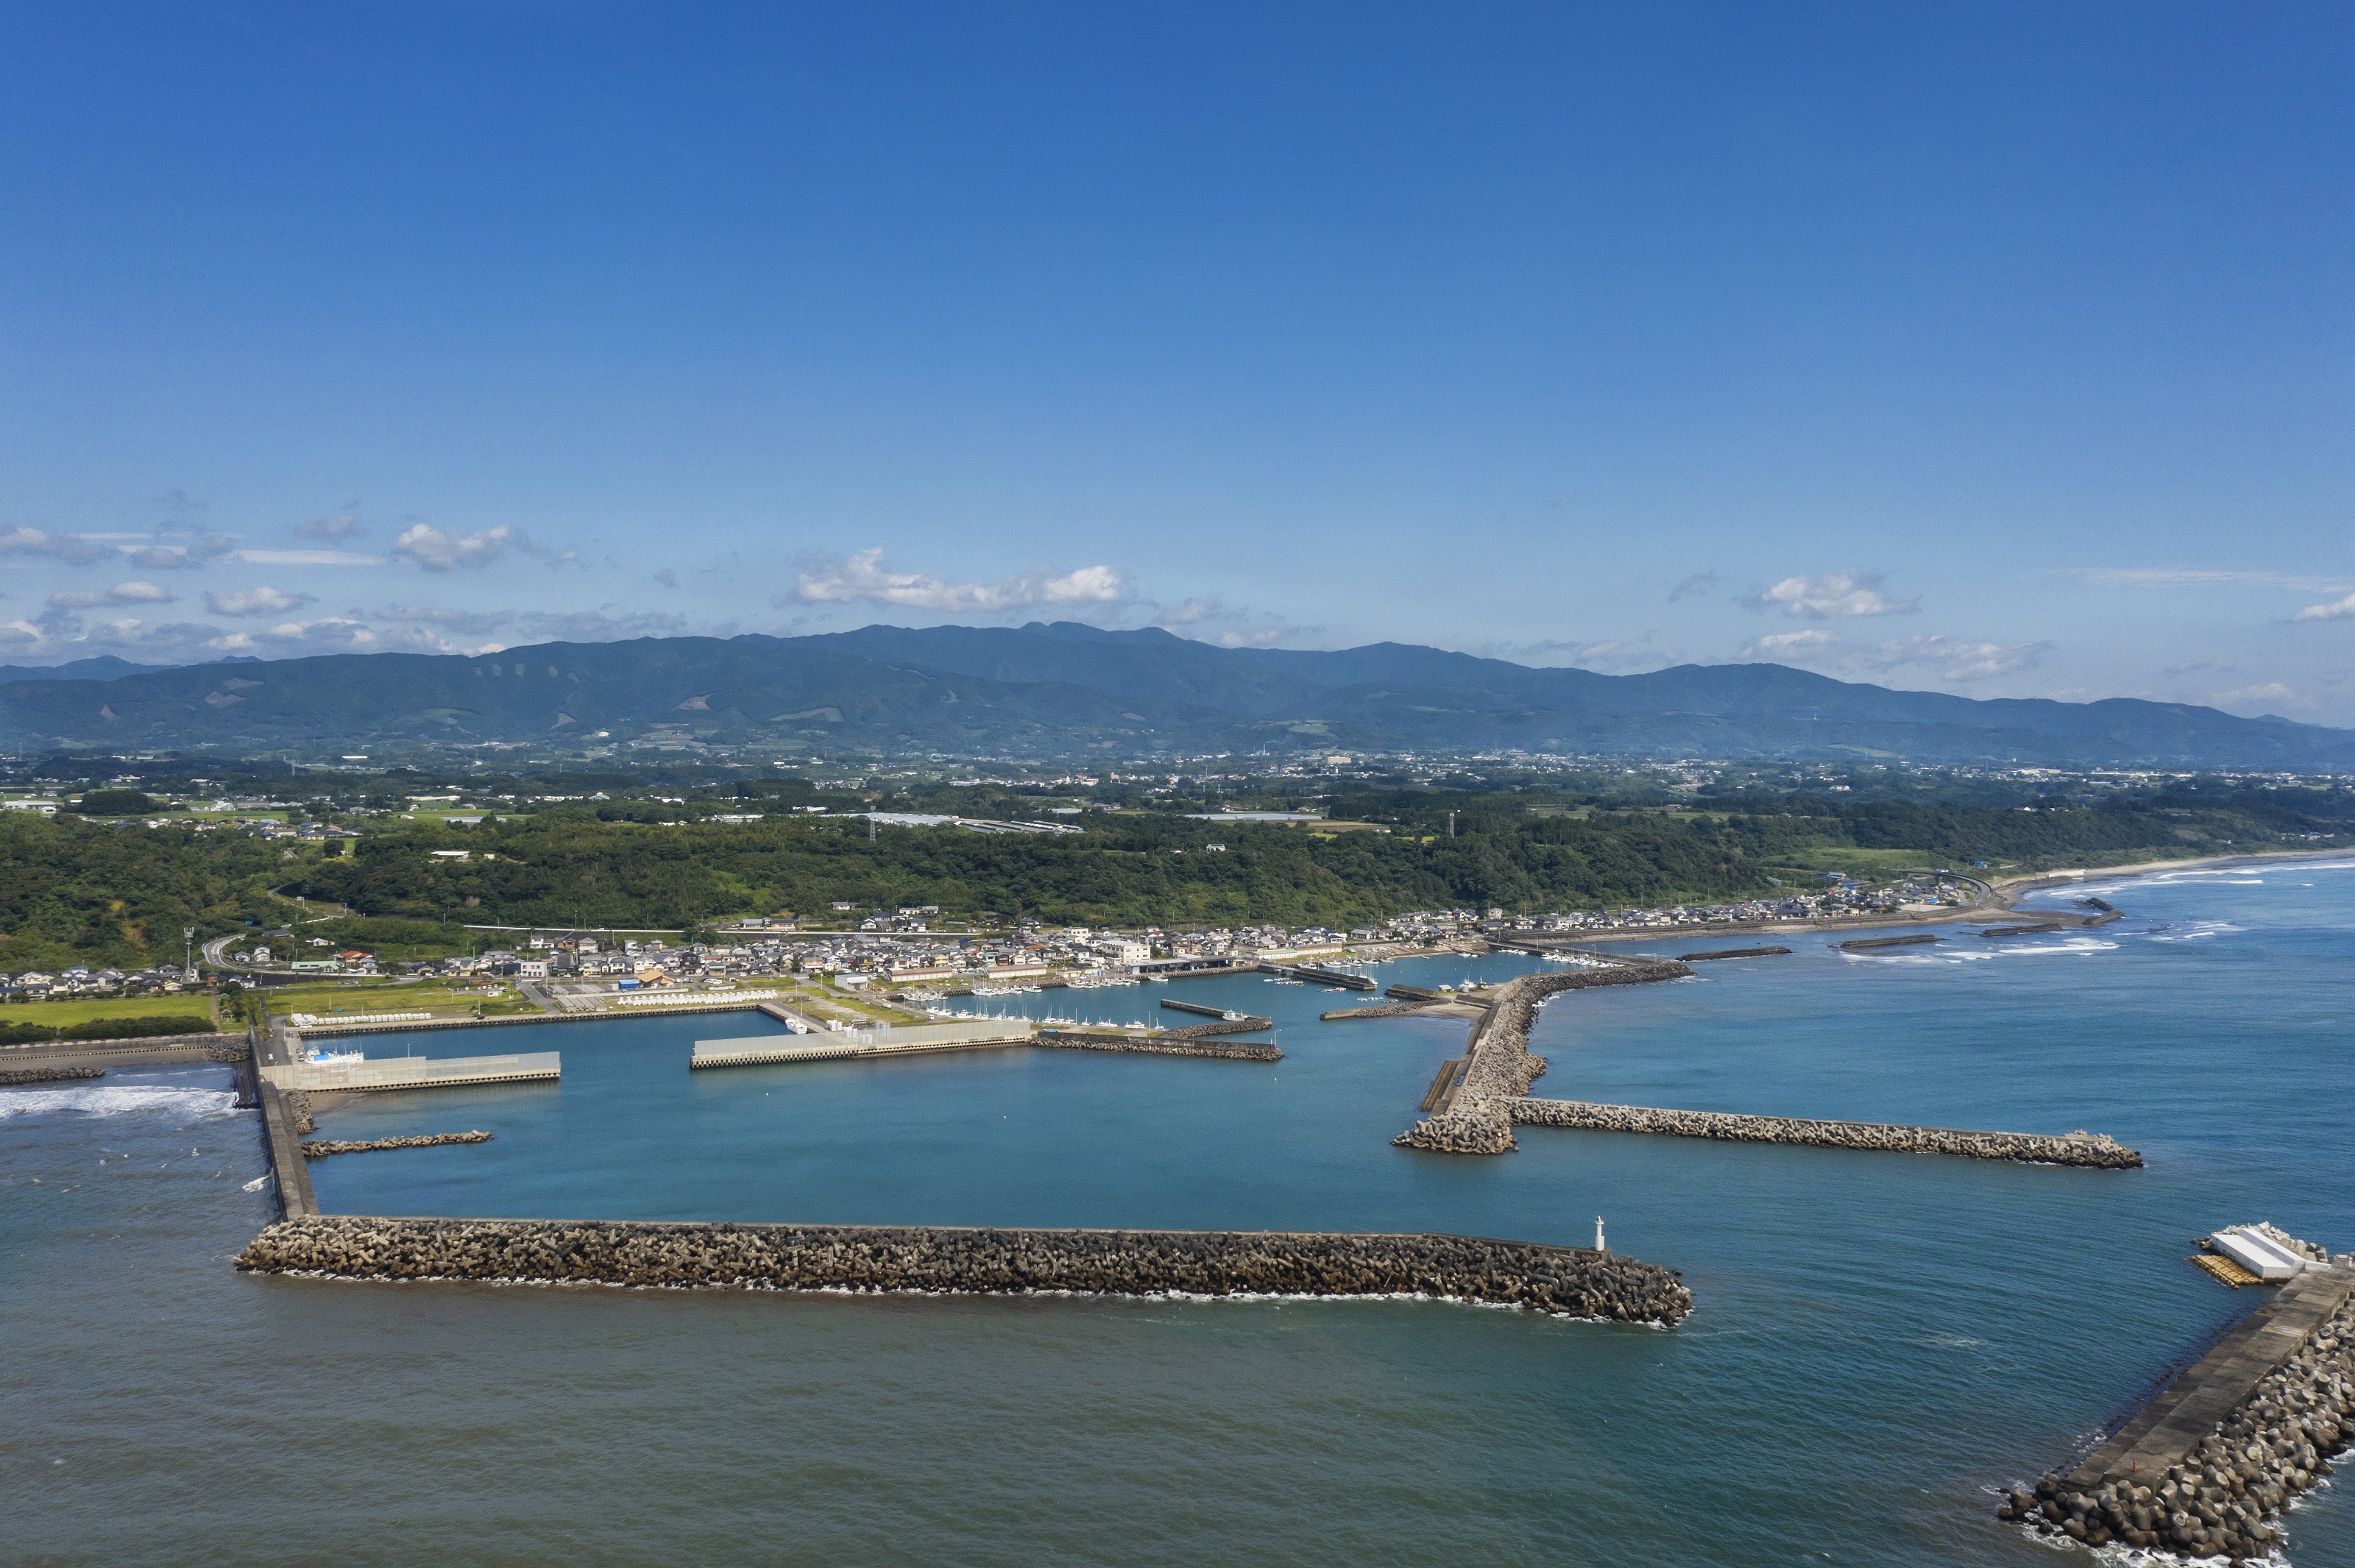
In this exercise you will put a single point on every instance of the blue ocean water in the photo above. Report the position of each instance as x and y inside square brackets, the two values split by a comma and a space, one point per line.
[1878, 1340]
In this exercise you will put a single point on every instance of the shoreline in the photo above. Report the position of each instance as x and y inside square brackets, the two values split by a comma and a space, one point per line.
[2008, 894]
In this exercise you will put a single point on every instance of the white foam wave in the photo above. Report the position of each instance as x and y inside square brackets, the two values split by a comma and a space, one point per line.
[115, 1100]
[2073, 945]
[1945, 955]
[2193, 931]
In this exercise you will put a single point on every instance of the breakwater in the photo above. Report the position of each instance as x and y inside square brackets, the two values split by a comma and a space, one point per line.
[2079, 1148]
[1571, 1281]
[1732, 952]
[1867, 943]
[47, 1074]
[1476, 1118]
[320, 1148]
[1173, 1043]
[2206, 1469]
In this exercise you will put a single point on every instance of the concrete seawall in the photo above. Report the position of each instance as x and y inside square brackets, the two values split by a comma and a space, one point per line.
[1571, 1281]
[2077, 1148]
[285, 1150]
[2209, 1465]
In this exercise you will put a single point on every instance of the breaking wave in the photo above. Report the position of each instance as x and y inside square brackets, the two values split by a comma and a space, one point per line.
[115, 1100]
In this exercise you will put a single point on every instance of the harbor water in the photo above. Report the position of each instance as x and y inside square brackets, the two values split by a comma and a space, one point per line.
[1878, 1342]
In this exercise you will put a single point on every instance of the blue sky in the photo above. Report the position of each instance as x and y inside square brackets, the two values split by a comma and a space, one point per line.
[1995, 349]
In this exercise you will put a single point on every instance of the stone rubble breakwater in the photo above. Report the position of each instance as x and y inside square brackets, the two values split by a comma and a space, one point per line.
[2077, 1148]
[1477, 1118]
[2206, 1469]
[320, 1148]
[1571, 1281]
[49, 1075]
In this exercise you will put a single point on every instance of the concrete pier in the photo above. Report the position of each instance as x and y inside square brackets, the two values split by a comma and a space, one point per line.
[766, 1050]
[417, 1073]
[1571, 1281]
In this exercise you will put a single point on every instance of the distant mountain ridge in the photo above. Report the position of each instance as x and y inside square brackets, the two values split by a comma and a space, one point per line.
[1061, 689]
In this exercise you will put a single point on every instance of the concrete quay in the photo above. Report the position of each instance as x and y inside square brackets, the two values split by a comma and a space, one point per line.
[1569, 1281]
[2079, 1148]
[416, 1072]
[768, 1050]
[2207, 1467]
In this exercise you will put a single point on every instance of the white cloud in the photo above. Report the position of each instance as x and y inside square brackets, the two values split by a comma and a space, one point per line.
[307, 558]
[181, 557]
[2200, 577]
[1790, 645]
[2337, 610]
[831, 580]
[78, 549]
[121, 593]
[341, 525]
[2271, 694]
[437, 549]
[1954, 658]
[1958, 659]
[1833, 593]
[257, 601]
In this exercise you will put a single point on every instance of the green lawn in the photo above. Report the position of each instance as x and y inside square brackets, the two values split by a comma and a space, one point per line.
[60, 1014]
[382, 997]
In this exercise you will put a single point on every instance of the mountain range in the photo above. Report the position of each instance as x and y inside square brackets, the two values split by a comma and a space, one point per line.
[1065, 689]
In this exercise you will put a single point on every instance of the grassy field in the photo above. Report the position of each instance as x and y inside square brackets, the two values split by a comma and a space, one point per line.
[387, 998]
[60, 1014]
[1868, 865]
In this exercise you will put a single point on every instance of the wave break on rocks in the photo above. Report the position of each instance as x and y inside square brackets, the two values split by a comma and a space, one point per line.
[2208, 1466]
[1570, 1281]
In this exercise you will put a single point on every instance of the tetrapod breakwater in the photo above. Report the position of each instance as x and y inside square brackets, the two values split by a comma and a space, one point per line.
[2080, 1148]
[1473, 1115]
[320, 1148]
[2208, 1466]
[1571, 1281]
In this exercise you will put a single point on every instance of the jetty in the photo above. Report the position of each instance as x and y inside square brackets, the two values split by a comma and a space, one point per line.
[1574, 1282]
[2080, 1148]
[1317, 974]
[1476, 1100]
[2210, 1462]
[909, 1039]
[983, 1034]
